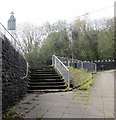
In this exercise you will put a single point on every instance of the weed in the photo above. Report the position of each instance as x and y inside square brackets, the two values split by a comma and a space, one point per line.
[84, 96]
[12, 114]
[36, 95]
[38, 118]
[62, 95]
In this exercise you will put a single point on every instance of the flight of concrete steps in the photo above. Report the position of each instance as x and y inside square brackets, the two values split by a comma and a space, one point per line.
[45, 79]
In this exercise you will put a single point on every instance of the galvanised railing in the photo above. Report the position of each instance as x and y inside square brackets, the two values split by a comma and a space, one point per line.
[83, 65]
[64, 71]
[4, 33]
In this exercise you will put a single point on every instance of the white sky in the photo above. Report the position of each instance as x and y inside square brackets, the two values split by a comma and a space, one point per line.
[41, 11]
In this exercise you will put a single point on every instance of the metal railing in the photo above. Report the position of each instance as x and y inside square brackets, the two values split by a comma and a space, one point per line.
[27, 70]
[64, 71]
[4, 33]
[83, 65]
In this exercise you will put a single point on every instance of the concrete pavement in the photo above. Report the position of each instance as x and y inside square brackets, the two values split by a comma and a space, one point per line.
[98, 102]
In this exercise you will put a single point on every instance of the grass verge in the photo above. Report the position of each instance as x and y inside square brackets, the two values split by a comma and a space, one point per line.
[81, 79]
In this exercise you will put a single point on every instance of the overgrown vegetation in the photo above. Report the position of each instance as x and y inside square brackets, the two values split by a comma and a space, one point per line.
[12, 114]
[86, 39]
[81, 79]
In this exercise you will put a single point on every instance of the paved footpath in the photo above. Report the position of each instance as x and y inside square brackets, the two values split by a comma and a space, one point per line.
[98, 102]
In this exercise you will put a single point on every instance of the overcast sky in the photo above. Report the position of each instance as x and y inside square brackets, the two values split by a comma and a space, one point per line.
[41, 11]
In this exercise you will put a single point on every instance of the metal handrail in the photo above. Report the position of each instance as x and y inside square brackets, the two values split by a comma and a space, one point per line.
[61, 63]
[3, 34]
[64, 71]
[26, 72]
[6, 33]
[84, 65]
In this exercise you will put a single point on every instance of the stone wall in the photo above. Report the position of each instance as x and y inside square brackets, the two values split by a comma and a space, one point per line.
[13, 68]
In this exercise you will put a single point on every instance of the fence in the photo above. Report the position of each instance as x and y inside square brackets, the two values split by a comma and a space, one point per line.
[105, 64]
[58, 64]
[83, 65]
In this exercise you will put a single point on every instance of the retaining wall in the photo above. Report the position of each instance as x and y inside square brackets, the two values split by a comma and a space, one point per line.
[0, 79]
[13, 68]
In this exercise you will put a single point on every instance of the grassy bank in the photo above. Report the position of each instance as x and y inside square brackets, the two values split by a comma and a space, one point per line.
[81, 79]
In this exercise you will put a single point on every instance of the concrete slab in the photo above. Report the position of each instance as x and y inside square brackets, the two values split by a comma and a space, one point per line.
[35, 114]
[58, 109]
[95, 103]
[76, 111]
[60, 104]
[53, 114]
[94, 112]
[69, 115]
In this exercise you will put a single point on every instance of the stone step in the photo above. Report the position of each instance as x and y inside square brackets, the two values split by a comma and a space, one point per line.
[47, 90]
[45, 77]
[43, 72]
[47, 87]
[46, 83]
[33, 74]
[46, 80]
[42, 69]
[45, 68]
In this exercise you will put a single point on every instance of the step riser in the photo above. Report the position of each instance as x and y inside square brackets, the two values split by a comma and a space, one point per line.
[51, 87]
[44, 77]
[43, 72]
[45, 84]
[42, 67]
[34, 81]
[34, 75]
[47, 90]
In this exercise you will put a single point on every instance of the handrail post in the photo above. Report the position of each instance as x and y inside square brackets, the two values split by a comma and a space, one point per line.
[68, 63]
[52, 60]
[82, 65]
[55, 61]
[68, 80]
[95, 67]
